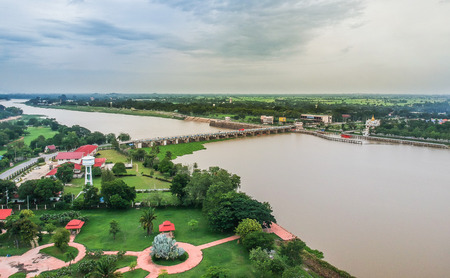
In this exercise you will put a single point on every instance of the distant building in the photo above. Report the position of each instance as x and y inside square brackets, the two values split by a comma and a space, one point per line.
[298, 125]
[87, 150]
[73, 157]
[50, 148]
[266, 120]
[326, 119]
[372, 122]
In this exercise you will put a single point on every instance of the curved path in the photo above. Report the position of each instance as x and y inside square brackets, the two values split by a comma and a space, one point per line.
[34, 262]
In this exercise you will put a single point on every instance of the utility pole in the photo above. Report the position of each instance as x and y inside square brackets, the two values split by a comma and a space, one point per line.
[28, 202]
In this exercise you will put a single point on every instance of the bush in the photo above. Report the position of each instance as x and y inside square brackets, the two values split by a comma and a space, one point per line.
[258, 239]
[119, 168]
[166, 248]
[216, 272]
[41, 160]
[86, 266]
[61, 238]
[247, 226]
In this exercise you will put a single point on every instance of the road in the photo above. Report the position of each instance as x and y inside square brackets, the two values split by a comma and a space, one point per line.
[24, 165]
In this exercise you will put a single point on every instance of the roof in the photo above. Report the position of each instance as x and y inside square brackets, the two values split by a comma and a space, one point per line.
[74, 224]
[5, 213]
[69, 155]
[51, 147]
[86, 149]
[167, 226]
[99, 162]
[52, 172]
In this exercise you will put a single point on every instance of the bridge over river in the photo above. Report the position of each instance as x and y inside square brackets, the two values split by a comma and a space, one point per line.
[208, 136]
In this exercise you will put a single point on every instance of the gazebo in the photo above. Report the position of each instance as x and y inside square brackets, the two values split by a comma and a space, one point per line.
[74, 226]
[167, 227]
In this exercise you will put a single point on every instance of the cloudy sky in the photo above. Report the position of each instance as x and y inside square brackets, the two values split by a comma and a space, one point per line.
[229, 46]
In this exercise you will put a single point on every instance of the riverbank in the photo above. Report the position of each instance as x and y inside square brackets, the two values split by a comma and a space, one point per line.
[10, 119]
[113, 110]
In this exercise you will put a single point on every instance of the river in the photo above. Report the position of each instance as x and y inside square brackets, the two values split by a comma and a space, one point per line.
[375, 210]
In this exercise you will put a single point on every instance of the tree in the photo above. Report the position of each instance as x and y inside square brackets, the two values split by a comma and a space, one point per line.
[216, 272]
[61, 238]
[91, 197]
[164, 247]
[26, 213]
[65, 172]
[117, 202]
[107, 176]
[49, 227]
[124, 137]
[7, 190]
[165, 166]
[106, 268]
[121, 189]
[70, 256]
[168, 155]
[193, 224]
[247, 226]
[292, 250]
[147, 218]
[114, 228]
[178, 185]
[258, 239]
[233, 207]
[265, 265]
[47, 188]
[119, 168]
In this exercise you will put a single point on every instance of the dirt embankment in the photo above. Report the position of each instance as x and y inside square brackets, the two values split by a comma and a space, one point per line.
[232, 125]
[323, 268]
[10, 119]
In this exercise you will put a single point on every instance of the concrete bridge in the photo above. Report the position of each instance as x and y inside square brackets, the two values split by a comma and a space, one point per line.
[162, 141]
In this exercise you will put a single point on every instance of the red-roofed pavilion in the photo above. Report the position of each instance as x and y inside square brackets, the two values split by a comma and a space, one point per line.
[75, 225]
[5, 213]
[168, 227]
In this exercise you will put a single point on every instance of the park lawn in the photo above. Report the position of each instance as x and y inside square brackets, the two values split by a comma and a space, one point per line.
[7, 246]
[132, 237]
[112, 156]
[230, 255]
[125, 261]
[167, 197]
[58, 253]
[178, 149]
[137, 273]
[34, 133]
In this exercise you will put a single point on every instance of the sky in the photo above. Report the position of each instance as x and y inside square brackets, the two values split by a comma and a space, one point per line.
[229, 46]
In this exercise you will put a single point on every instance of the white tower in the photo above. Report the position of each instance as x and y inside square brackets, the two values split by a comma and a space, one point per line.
[88, 162]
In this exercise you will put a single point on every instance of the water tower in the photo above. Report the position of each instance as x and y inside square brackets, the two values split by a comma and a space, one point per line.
[88, 162]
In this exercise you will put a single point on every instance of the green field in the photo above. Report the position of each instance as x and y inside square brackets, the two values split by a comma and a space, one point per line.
[95, 233]
[58, 253]
[34, 133]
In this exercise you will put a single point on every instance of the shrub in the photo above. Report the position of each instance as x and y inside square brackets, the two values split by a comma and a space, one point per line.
[216, 272]
[86, 266]
[166, 248]
[247, 226]
[61, 238]
[258, 239]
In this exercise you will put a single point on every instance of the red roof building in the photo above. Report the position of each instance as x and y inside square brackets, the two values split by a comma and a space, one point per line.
[99, 162]
[166, 226]
[69, 156]
[5, 213]
[87, 150]
[75, 225]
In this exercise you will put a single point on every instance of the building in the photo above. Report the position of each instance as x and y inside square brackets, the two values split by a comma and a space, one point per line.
[267, 120]
[372, 122]
[326, 119]
[73, 157]
[74, 226]
[50, 149]
[298, 125]
[87, 150]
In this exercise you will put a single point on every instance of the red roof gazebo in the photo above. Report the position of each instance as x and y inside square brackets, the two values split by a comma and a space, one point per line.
[7, 212]
[75, 225]
[166, 226]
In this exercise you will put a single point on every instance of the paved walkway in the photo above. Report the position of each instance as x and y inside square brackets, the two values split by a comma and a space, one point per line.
[280, 231]
[34, 262]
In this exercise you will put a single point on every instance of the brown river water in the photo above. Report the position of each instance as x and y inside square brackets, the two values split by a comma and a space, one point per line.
[375, 210]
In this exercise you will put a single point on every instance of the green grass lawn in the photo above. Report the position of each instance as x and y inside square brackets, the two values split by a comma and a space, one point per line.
[229, 255]
[34, 133]
[7, 246]
[58, 253]
[179, 149]
[95, 233]
[18, 275]
[137, 273]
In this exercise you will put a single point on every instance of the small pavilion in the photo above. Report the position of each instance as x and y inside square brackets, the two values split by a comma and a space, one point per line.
[4, 213]
[74, 226]
[167, 227]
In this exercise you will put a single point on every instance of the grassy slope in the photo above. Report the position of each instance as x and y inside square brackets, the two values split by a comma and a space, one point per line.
[57, 253]
[95, 233]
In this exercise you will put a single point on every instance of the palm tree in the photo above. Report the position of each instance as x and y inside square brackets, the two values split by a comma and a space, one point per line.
[146, 220]
[70, 256]
[106, 269]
